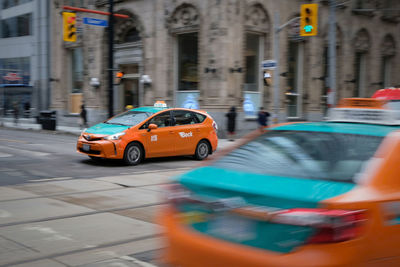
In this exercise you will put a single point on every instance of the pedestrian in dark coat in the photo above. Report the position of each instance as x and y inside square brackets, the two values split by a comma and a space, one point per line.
[262, 118]
[16, 112]
[231, 115]
[83, 115]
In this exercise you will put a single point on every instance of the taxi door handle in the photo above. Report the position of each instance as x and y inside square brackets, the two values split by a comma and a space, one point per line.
[171, 132]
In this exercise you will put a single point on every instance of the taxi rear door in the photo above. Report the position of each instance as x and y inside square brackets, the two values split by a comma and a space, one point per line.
[186, 132]
[159, 142]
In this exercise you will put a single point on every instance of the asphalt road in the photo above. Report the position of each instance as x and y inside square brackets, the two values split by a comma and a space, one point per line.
[32, 155]
[59, 208]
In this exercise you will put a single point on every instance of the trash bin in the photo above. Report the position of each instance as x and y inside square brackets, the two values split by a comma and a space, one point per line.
[48, 119]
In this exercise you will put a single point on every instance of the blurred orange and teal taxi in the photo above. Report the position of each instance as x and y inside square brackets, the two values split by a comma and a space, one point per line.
[300, 194]
[148, 132]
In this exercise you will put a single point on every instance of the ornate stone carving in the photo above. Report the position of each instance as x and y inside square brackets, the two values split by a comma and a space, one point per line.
[124, 25]
[185, 17]
[361, 42]
[388, 47]
[256, 18]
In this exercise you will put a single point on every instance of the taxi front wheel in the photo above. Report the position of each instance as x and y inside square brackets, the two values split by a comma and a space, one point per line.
[133, 154]
[202, 150]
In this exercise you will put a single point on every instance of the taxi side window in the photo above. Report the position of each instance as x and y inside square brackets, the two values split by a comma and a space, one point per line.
[161, 120]
[183, 117]
[199, 117]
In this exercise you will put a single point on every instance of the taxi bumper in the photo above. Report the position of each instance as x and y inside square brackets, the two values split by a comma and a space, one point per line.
[189, 248]
[99, 148]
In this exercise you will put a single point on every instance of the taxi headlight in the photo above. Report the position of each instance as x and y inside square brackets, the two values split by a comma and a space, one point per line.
[114, 136]
[84, 130]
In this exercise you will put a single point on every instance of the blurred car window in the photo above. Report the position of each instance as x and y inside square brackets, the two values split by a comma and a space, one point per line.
[312, 155]
[183, 117]
[129, 118]
[161, 120]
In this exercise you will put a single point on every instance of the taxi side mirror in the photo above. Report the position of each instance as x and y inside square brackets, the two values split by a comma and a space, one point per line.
[152, 127]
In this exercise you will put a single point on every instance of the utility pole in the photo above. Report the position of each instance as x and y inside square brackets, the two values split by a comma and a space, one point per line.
[332, 54]
[110, 58]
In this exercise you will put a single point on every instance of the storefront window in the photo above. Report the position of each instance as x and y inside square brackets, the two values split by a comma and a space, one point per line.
[11, 3]
[15, 71]
[252, 57]
[360, 70]
[188, 62]
[291, 92]
[16, 26]
[386, 71]
[77, 70]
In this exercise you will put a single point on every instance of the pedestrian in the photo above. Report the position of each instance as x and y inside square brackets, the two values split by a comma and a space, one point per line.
[83, 117]
[16, 112]
[27, 109]
[262, 118]
[231, 115]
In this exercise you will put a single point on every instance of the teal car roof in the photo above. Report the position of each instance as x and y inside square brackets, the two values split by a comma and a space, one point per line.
[149, 109]
[335, 127]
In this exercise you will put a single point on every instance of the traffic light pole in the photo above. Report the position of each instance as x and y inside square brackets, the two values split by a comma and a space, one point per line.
[332, 54]
[111, 16]
[110, 58]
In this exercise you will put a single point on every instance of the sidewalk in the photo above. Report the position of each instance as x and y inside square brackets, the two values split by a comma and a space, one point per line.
[30, 124]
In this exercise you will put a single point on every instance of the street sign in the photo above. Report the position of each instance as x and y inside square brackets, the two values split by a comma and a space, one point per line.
[95, 22]
[268, 64]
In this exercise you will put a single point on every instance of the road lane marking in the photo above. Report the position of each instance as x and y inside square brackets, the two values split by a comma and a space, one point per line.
[50, 179]
[14, 141]
[5, 155]
[155, 171]
[136, 261]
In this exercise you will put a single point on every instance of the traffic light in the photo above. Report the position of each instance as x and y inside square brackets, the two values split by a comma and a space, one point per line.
[118, 77]
[308, 19]
[69, 24]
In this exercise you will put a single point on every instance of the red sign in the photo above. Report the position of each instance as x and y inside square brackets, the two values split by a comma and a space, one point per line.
[12, 77]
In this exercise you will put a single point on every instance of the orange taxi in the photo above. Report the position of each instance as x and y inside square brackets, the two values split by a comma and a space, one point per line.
[148, 132]
[300, 194]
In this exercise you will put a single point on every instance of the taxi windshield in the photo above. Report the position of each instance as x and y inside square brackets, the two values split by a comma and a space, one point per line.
[129, 118]
[303, 154]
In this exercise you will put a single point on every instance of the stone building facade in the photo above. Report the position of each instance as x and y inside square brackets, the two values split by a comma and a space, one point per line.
[208, 54]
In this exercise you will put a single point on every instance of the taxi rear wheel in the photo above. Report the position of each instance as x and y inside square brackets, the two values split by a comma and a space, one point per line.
[133, 154]
[202, 150]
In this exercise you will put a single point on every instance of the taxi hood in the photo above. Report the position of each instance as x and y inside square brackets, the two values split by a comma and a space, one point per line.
[106, 129]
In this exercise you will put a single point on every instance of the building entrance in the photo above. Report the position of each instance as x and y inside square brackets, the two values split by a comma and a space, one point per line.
[129, 87]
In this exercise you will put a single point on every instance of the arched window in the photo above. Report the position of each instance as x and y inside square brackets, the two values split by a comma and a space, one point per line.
[131, 36]
[388, 50]
[362, 46]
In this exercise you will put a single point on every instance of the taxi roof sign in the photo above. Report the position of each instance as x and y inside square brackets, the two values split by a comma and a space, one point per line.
[160, 104]
[364, 110]
[361, 103]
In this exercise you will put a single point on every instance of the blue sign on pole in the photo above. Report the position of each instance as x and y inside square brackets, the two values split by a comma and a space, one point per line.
[268, 64]
[95, 22]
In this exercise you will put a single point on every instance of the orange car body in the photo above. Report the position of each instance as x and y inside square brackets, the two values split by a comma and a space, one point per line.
[173, 135]
[370, 202]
